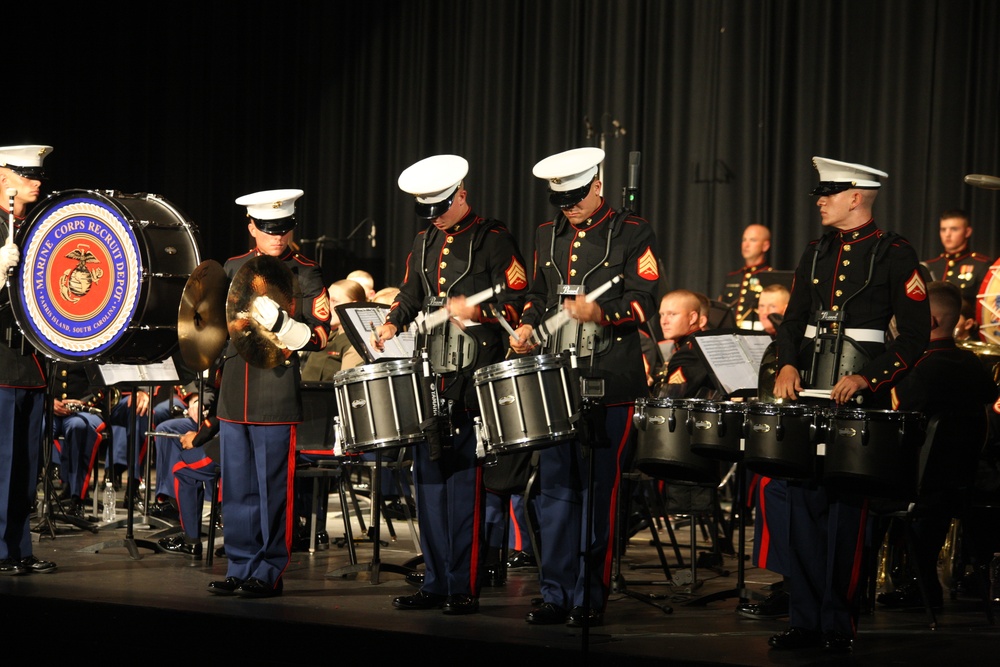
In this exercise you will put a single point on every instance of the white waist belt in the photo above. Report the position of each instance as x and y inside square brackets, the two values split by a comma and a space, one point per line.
[860, 335]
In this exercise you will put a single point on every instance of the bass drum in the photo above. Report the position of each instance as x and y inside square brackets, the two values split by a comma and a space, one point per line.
[102, 275]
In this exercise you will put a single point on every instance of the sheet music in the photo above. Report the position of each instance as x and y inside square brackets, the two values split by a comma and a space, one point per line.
[365, 320]
[162, 373]
[734, 359]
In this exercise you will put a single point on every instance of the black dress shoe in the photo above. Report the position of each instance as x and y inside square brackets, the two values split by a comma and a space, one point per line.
[164, 511]
[227, 587]
[419, 600]
[176, 544]
[257, 588]
[546, 614]
[415, 578]
[11, 567]
[37, 565]
[577, 619]
[520, 559]
[834, 642]
[795, 638]
[75, 509]
[774, 605]
[457, 605]
[908, 597]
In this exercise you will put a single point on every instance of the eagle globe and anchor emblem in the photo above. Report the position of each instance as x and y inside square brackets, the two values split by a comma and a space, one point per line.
[77, 281]
[82, 273]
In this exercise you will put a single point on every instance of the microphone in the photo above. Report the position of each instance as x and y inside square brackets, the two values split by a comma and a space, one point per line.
[630, 196]
[634, 159]
[983, 181]
[372, 234]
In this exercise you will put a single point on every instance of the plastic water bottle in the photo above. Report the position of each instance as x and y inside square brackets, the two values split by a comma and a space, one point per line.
[110, 500]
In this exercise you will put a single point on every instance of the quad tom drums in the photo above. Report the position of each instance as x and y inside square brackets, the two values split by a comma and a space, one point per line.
[101, 276]
[383, 405]
[663, 443]
[874, 452]
[781, 439]
[529, 402]
[717, 429]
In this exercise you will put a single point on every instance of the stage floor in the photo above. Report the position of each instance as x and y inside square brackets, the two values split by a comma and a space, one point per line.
[110, 600]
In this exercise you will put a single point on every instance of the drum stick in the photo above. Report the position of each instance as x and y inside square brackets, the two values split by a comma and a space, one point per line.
[11, 193]
[558, 319]
[441, 315]
[163, 434]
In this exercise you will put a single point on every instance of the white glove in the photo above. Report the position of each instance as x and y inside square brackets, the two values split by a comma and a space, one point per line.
[9, 257]
[293, 334]
[266, 312]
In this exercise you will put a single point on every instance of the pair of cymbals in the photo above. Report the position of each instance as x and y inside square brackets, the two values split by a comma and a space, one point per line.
[213, 310]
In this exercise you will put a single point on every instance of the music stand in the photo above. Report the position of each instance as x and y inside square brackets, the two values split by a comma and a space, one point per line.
[375, 567]
[732, 359]
[132, 377]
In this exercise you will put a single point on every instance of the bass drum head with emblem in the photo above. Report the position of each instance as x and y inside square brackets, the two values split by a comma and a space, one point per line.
[101, 276]
[988, 305]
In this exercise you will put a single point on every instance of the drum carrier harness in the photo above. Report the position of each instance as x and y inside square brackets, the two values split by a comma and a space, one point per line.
[835, 353]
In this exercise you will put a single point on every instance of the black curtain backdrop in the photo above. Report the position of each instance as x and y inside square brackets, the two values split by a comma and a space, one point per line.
[726, 100]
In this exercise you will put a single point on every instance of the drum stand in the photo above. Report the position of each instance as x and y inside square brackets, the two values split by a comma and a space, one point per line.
[739, 505]
[376, 566]
[618, 584]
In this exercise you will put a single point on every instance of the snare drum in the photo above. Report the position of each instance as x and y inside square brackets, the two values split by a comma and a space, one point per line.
[382, 405]
[102, 275]
[717, 429]
[781, 440]
[663, 444]
[874, 452]
[529, 402]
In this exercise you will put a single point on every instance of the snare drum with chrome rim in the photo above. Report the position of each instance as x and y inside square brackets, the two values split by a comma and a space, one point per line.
[383, 405]
[529, 402]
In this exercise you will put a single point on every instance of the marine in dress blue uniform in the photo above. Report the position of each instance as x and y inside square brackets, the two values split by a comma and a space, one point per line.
[22, 380]
[959, 264]
[848, 284]
[585, 247]
[458, 255]
[259, 408]
[741, 288]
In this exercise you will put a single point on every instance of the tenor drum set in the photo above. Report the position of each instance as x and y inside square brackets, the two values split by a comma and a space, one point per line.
[870, 452]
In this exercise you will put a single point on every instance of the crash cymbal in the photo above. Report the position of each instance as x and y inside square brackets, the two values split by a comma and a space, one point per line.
[261, 276]
[201, 316]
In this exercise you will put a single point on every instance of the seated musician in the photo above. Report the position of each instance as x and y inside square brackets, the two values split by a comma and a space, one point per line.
[944, 378]
[681, 317]
[168, 449]
[196, 465]
[78, 430]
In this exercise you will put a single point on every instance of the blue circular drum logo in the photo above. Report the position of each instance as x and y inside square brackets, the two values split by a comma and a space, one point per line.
[81, 273]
